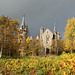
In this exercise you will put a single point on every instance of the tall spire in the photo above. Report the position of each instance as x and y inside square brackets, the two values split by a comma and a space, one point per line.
[54, 28]
[23, 22]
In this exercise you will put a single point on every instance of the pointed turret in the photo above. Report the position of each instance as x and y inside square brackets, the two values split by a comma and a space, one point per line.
[23, 23]
[41, 32]
[24, 29]
[37, 38]
[54, 28]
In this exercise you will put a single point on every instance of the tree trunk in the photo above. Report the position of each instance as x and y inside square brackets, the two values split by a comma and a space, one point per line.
[1, 52]
[71, 50]
[57, 50]
[9, 54]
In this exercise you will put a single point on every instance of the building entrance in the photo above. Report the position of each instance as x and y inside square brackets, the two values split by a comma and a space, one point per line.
[47, 50]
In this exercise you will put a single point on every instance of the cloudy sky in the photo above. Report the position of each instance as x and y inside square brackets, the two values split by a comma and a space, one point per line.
[40, 13]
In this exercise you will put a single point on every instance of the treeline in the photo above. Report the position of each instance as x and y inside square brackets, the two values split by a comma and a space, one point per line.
[11, 47]
[30, 47]
[9, 40]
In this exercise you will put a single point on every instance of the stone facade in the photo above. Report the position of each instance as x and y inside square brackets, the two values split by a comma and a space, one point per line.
[47, 37]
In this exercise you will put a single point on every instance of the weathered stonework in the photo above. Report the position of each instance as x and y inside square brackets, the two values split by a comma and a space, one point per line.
[47, 37]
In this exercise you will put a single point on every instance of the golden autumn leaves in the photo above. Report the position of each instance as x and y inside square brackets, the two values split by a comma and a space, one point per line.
[9, 35]
[70, 35]
[28, 40]
[61, 65]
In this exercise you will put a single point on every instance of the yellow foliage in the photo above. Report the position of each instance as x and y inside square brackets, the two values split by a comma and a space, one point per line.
[70, 34]
[9, 35]
[28, 40]
[61, 65]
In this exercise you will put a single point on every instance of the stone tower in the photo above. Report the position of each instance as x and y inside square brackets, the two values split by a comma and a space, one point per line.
[55, 39]
[23, 34]
[24, 29]
[55, 33]
[41, 32]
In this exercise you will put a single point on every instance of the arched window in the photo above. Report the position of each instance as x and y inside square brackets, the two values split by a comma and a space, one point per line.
[53, 36]
[47, 39]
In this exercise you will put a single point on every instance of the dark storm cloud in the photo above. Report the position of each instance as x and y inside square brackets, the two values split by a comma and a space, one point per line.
[40, 13]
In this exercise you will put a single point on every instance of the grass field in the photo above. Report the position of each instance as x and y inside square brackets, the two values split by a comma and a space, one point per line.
[60, 65]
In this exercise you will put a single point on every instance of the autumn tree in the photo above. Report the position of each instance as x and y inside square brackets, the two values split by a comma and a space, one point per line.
[30, 47]
[59, 47]
[36, 47]
[27, 47]
[70, 35]
[9, 35]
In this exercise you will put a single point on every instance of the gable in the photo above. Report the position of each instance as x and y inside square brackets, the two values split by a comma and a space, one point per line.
[47, 32]
[47, 38]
